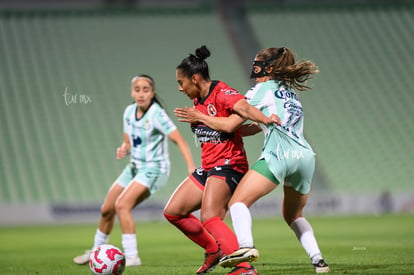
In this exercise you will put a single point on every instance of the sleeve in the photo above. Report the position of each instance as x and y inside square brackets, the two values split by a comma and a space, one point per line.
[251, 97]
[126, 119]
[229, 97]
[162, 122]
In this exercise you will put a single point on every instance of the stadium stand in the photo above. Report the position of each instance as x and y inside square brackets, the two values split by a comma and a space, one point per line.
[358, 114]
[64, 82]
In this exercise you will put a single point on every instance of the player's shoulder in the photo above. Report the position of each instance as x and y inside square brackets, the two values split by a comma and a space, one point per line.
[225, 89]
[156, 108]
[130, 108]
[263, 87]
[157, 112]
[267, 84]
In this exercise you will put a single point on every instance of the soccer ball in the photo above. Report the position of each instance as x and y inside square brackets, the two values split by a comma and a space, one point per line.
[107, 259]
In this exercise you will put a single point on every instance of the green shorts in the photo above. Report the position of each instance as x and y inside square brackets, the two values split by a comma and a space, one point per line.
[287, 162]
[150, 177]
[296, 180]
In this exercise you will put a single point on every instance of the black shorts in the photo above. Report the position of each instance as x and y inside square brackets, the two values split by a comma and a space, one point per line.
[228, 174]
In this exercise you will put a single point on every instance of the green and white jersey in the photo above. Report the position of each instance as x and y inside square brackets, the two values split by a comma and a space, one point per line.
[272, 98]
[149, 136]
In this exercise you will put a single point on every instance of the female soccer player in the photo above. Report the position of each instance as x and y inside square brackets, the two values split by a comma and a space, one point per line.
[286, 158]
[223, 164]
[147, 128]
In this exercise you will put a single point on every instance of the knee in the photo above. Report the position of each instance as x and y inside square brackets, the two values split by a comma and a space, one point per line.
[168, 211]
[206, 215]
[171, 218]
[175, 210]
[189, 225]
[107, 212]
[121, 208]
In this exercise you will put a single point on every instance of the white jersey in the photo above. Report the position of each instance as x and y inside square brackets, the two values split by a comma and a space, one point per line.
[272, 98]
[148, 136]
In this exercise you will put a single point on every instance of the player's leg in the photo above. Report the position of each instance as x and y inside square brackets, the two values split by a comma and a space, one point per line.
[133, 195]
[293, 204]
[213, 209]
[108, 210]
[106, 222]
[252, 187]
[296, 193]
[185, 200]
[219, 188]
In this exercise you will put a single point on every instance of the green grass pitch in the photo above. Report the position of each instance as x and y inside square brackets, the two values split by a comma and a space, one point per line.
[351, 245]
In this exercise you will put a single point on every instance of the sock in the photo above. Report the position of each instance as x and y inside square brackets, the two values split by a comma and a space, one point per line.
[242, 224]
[244, 264]
[304, 233]
[194, 230]
[100, 238]
[223, 234]
[129, 243]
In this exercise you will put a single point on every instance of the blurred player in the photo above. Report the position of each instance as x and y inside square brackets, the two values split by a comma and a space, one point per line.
[224, 163]
[147, 128]
[286, 158]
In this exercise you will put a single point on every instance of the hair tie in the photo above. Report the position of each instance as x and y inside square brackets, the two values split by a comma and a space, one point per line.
[279, 53]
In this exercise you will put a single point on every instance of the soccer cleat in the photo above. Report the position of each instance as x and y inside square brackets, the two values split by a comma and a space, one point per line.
[134, 261]
[210, 261]
[84, 258]
[321, 267]
[247, 254]
[241, 270]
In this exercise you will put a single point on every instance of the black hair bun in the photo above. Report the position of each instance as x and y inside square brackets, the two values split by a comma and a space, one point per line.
[202, 53]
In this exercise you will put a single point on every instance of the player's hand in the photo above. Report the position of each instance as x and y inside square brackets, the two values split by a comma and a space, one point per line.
[275, 119]
[121, 153]
[191, 169]
[187, 114]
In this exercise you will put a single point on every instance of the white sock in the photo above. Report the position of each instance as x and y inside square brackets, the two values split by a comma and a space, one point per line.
[304, 233]
[100, 238]
[129, 243]
[242, 224]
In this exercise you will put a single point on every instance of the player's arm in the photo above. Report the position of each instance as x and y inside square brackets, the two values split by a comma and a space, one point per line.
[176, 137]
[247, 111]
[125, 148]
[228, 124]
[223, 124]
[250, 129]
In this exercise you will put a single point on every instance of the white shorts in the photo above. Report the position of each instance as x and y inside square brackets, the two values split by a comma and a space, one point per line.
[150, 177]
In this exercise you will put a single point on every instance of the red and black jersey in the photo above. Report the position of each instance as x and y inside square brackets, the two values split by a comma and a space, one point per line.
[220, 148]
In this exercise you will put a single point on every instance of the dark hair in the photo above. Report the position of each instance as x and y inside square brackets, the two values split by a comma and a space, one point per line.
[196, 64]
[152, 83]
[292, 74]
